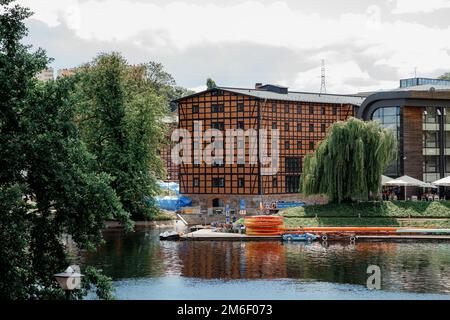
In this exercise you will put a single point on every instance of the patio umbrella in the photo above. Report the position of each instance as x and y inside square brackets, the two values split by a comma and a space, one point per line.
[429, 185]
[406, 181]
[385, 179]
[445, 182]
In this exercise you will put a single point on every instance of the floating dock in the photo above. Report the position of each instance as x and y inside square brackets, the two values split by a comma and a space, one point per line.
[210, 235]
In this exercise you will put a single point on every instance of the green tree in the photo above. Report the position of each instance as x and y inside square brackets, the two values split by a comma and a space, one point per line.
[210, 84]
[163, 83]
[349, 162]
[120, 116]
[445, 76]
[48, 183]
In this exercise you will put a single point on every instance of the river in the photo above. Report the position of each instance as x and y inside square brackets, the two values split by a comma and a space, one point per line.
[143, 267]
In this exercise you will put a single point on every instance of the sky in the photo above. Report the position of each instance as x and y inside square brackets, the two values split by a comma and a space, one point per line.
[367, 45]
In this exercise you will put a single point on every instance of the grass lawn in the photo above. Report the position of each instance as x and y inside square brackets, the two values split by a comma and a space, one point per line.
[386, 213]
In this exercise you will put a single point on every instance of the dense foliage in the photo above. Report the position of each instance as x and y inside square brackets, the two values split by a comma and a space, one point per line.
[49, 184]
[445, 76]
[120, 115]
[210, 83]
[349, 162]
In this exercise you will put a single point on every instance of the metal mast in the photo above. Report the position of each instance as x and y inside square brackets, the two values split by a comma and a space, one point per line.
[323, 87]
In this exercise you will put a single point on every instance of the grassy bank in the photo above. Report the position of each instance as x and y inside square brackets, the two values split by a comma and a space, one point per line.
[394, 209]
[386, 213]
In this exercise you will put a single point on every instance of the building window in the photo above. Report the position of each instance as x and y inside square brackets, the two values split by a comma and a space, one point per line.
[311, 110]
[286, 144]
[322, 111]
[299, 109]
[322, 127]
[299, 127]
[216, 93]
[311, 127]
[218, 182]
[274, 125]
[241, 182]
[195, 108]
[286, 126]
[286, 108]
[292, 164]
[299, 144]
[431, 139]
[334, 111]
[217, 108]
[218, 163]
[292, 184]
[430, 115]
[240, 107]
[311, 145]
[389, 117]
[274, 107]
[218, 125]
[196, 182]
[431, 164]
[274, 183]
[240, 125]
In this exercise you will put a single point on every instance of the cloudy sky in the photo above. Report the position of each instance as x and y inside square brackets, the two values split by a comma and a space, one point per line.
[366, 44]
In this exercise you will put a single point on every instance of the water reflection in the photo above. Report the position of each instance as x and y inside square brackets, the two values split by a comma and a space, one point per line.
[414, 267]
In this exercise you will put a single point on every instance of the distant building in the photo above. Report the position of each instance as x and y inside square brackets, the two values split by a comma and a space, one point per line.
[412, 82]
[66, 72]
[45, 75]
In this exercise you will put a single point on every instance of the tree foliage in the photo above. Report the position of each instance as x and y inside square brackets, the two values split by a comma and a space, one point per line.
[445, 76]
[349, 162]
[49, 184]
[210, 83]
[120, 113]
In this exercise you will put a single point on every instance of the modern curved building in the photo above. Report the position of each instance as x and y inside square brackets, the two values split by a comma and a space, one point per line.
[420, 117]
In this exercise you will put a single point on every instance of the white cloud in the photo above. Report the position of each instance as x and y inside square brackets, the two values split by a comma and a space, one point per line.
[341, 77]
[177, 26]
[417, 6]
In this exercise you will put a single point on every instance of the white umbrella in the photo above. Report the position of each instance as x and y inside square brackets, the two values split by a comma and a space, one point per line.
[385, 179]
[406, 181]
[442, 182]
[429, 185]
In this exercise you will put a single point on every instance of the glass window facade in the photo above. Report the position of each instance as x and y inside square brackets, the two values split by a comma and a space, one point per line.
[431, 139]
[430, 115]
[405, 83]
[389, 117]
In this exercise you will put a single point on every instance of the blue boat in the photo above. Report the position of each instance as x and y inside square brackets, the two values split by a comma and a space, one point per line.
[299, 237]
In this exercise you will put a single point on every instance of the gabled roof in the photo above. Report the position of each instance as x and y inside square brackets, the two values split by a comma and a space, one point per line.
[299, 96]
[289, 96]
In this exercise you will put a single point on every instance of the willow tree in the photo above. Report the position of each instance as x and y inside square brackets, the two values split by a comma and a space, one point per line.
[349, 162]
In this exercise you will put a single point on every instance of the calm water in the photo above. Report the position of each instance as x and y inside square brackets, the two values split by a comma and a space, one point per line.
[145, 268]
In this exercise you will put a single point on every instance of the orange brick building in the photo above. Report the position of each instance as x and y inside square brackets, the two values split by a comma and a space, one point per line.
[301, 119]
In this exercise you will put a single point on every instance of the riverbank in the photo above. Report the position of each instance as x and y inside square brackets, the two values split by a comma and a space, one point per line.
[434, 214]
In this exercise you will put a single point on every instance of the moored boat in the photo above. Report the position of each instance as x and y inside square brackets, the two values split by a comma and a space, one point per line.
[172, 235]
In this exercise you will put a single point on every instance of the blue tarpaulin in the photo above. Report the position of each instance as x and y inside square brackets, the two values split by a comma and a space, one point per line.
[173, 203]
[289, 204]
